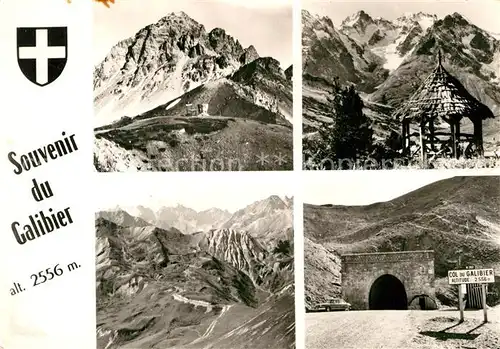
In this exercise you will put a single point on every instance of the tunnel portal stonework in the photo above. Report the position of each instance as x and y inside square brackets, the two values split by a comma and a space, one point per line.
[415, 270]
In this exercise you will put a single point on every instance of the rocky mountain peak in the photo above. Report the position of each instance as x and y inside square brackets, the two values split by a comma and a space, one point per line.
[216, 210]
[455, 20]
[249, 54]
[121, 218]
[178, 14]
[272, 203]
[307, 16]
[415, 16]
[105, 225]
[289, 72]
[177, 24]
[358, 20]
[183, 218]
[224, 43]
[471, 49]
[263, 66]
[268, 219]
[275, 200]
[161, 62]
[310, 20]
[420, 19]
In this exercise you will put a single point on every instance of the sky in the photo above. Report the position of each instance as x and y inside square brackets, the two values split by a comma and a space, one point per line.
[367, 187]
[265, 24]
[200, 191]
[483, 13]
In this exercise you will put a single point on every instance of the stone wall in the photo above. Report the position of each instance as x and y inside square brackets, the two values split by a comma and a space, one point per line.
[415, 269]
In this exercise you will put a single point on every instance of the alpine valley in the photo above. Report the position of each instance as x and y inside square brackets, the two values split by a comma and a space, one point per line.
[178, 278]
[387, 60]
[146, 88]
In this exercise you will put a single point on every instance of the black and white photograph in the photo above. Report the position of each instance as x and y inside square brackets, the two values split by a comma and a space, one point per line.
[193, 86]
[397, 259]
[400, 84]
[184, 265]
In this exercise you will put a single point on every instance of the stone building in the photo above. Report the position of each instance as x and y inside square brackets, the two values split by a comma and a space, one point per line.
[196, 109]
[389, 280]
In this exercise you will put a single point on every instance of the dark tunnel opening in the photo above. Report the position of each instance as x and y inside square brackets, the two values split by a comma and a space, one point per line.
[387, 292]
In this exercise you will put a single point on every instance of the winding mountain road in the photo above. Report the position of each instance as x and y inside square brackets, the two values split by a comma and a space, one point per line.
[194, 302]
[209, 308]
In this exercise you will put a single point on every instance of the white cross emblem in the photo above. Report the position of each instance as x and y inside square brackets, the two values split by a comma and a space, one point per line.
[42, 52]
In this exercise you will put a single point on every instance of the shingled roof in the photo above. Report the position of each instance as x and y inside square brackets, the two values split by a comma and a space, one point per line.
[442, 95]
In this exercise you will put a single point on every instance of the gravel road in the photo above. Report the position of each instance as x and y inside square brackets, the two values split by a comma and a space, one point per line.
[410, 329]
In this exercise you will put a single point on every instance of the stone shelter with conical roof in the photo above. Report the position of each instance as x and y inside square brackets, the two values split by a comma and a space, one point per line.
[442, 97]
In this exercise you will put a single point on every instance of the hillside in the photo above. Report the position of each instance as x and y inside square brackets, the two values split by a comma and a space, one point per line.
[388, 60]
[209, 289]
[194, 144]
[456, 214]
[322, 279]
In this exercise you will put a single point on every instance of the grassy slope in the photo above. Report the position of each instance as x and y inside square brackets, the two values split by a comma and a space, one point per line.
[226, 143]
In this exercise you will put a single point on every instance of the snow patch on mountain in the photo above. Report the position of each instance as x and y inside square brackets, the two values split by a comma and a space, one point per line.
[386, 38]
[390, 54]
[321, 34]
[173, 103]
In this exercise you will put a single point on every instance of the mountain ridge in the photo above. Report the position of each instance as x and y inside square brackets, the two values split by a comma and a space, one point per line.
[273, 213]
[205, 280]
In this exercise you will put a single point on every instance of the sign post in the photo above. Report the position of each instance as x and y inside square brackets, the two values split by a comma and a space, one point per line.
[471, 276]
[485, 310]
[461, 301]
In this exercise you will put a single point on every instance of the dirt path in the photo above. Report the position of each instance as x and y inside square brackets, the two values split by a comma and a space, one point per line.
[358, 329]
[402, 330]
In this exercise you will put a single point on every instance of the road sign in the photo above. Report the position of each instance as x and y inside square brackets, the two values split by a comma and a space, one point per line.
[471, 276]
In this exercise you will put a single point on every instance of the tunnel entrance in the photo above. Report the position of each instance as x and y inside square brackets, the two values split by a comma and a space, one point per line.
[387, 292]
